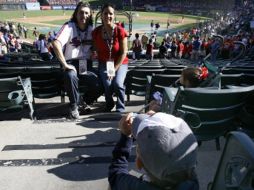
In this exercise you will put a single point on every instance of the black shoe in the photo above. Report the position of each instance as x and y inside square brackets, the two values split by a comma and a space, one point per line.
[84, 109]
[108, 108]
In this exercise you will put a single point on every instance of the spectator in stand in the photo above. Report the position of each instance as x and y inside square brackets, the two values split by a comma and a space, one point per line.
[215, 47]
[166, 35]
[166, 149]
[18, 43]
[226, 48]
[75, 37]
[43, 48]
[110, 43]
[203, 48]
[195, 49]
[144, 40]
[180, 49]
[163, 50]
[149, 50]
[11, 43]
[3, 44]
[186, 52]
[50, 36]
[173, 49]
[136, 47]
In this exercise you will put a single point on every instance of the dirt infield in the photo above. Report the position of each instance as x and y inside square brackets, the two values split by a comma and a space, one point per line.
[38, 20]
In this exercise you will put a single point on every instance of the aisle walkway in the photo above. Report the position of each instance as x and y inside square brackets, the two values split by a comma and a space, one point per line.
[54, 153]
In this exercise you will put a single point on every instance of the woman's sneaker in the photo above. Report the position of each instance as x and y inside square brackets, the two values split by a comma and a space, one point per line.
[74, 114]
[84, 109]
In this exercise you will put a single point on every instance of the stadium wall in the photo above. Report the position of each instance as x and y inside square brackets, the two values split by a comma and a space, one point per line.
[6, 7]
[33, 6]
[19, 6]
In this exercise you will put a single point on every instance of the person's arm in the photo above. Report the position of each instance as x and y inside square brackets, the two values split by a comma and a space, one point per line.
[119, 163]
[57, 46]
[123, 52]
[119, 177]
[94, 47]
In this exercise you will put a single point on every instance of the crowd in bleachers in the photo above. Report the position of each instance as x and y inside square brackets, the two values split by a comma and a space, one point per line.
[11, 35]
[200, 5]
[10, 41]
[62, 2]
[17, 1]
[198, 42]
[186, 5]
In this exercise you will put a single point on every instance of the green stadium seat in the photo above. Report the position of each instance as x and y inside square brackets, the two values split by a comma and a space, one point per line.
[210, 113]
[236, 166]
[15, 93]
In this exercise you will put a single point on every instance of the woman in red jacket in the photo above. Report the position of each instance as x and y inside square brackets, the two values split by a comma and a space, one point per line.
[110, 42]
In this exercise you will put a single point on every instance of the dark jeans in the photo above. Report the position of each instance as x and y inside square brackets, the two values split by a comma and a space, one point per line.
[71, 86]
[71, 83]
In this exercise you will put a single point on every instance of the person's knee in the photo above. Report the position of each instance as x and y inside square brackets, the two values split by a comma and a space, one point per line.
[70, 77]
[70, 74]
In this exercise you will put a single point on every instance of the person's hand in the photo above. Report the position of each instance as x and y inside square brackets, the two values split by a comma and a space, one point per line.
[125, 124]
[110, 77]
[70, 67]
[154, 106]
[117, 67]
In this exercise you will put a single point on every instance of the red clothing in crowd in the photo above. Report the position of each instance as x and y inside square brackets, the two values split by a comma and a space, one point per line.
[103, 51]
[187, 49]
[149, 49]
[180, 47]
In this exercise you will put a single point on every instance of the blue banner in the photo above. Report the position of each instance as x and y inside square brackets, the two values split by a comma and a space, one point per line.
[69, 7]
[56, 7]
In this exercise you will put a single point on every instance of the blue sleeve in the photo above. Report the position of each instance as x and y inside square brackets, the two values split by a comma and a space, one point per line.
[119, 163]
[119, 177]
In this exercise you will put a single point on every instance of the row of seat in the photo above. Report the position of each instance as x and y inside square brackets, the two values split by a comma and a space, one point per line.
[233, 92]
[209, 112]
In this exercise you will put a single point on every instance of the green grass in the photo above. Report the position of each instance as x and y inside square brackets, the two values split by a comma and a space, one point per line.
[156, 16]
[7, 15]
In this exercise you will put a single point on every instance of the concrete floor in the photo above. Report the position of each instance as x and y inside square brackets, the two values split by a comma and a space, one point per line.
[54, 153]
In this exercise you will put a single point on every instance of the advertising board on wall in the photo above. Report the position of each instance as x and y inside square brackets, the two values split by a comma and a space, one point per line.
[33, 6]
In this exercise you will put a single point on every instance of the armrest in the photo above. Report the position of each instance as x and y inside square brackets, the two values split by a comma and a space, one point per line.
[171, 93]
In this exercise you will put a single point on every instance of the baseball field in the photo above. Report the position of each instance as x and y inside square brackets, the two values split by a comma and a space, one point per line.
[51, 20]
